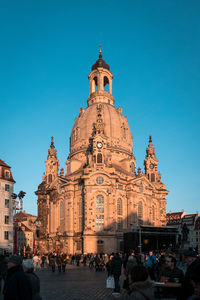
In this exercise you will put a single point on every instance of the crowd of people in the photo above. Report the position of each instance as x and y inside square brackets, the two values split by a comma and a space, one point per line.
[134, 274]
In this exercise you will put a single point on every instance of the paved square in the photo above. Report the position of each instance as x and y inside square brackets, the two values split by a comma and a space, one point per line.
[77, 283]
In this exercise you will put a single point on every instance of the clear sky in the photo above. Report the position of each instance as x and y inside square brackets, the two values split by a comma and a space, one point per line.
[47, 48]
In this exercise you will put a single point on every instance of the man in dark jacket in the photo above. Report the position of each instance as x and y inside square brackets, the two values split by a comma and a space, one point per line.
[115, 270]
[17, 285]
[34, 279]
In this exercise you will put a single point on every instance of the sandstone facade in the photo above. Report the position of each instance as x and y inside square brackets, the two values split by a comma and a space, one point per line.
[100, 195]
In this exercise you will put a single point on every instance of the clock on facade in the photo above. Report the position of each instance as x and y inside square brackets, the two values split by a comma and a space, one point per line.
[99, 145]
[151, 166]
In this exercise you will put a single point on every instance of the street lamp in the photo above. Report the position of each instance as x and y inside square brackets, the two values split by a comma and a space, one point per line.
[140, 239]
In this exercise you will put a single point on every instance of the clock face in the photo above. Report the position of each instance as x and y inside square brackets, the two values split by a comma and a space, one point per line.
[151, 166]
[51, 166]
[99, 145]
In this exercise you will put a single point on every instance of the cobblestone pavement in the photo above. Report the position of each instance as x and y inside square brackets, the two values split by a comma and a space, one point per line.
[77, 283]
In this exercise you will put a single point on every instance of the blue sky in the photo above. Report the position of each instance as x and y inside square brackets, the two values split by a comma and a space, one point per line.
[152, 47]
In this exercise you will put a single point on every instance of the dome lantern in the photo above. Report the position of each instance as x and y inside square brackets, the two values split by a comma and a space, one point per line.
[100, 81]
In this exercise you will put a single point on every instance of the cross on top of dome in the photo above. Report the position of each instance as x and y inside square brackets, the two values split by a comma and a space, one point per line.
[100, 63]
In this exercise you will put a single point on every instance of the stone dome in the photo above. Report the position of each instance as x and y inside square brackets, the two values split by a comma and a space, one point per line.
[116, 129]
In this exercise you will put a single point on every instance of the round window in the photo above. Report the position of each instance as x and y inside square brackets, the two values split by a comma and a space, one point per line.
[99, 180]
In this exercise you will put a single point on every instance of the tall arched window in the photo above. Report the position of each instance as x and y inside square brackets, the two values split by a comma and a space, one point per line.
[62, 210]
[119, 207]
[153, 213]
[50, 178]
[106, 84]
[100, 204]
[140, 212]
[99, 158]
[62, 215]
[94, 84]
[152, 177]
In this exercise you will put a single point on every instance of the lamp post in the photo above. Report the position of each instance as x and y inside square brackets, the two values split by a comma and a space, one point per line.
[140, 239]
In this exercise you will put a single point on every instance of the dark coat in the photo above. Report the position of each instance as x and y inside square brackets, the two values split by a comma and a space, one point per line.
[129, 266]
[116, 266]
[17, 285]
[35, 284]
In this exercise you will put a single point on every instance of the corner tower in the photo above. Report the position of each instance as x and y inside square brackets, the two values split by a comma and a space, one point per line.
[52, 164]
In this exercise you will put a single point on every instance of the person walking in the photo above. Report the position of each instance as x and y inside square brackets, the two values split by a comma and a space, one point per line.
[63, 262]
[59, 263]
[17, 285]
[115, 270]
[36, 262]
[129, 266]
[43, 260]
[34, 279]
[151, 264]
[53, 263]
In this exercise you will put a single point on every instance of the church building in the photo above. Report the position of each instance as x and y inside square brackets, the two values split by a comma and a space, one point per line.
[87, 207]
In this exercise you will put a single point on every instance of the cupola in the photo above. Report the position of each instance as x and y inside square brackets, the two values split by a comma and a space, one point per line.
[100, 81]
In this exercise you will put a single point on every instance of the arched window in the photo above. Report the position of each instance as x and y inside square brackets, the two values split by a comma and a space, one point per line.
[50, 178]
[94, 84]
[153, 213]
[99, 222]
[62, 215]
[99, 158]
[152, 177]
[100, 204]
[140, 212]
[106, 84]
[62, 210]
[119, 207]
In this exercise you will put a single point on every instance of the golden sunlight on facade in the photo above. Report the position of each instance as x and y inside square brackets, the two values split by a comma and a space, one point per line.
[100, 195]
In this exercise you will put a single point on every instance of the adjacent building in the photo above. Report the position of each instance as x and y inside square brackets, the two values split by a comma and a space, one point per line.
[196, 236]
[25, 232]
[190, 222]
[101, 194]
[6, 207]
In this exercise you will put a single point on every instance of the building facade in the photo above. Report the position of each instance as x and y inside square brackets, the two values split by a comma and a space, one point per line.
[6, 208]
[25, 232]
[197, 234]
[100, 195]
[191, 222]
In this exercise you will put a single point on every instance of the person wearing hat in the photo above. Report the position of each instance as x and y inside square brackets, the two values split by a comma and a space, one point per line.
[34, 279]
[17, 286]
